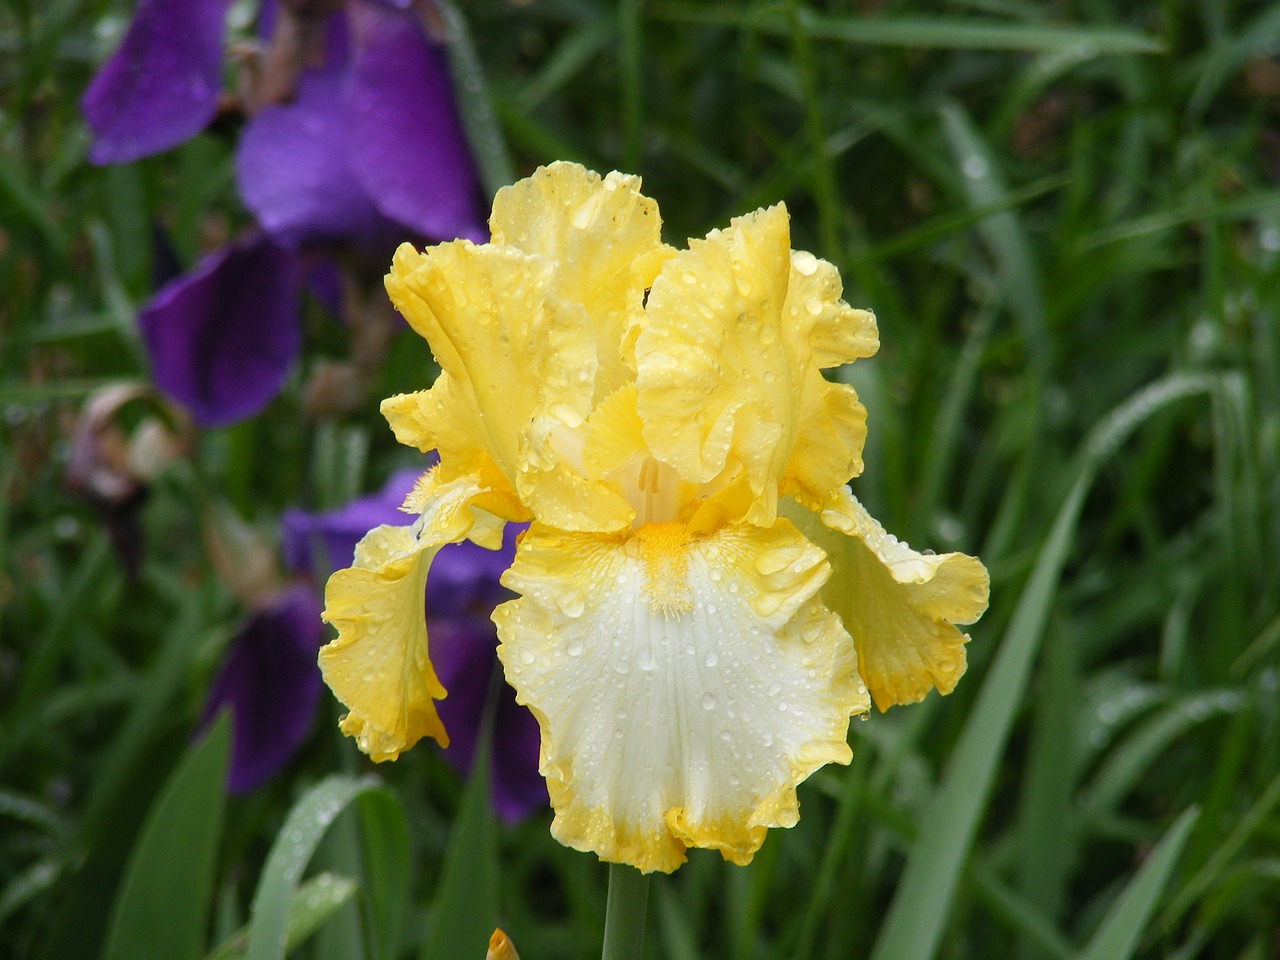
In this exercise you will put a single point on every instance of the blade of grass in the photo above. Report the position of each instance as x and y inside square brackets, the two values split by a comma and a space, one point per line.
[630, 66]
[277, 889]
[162, 906]
[1213, 868]
[316, 901]
[1116, 938]
[1127, 764]
[484, 133]
[923, 901]
[1002, 232]
[465, 910]
[947, 33]
[570, 57]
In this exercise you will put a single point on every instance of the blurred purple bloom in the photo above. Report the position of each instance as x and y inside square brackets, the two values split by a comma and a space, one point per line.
[462, 590]
[222, 337]
[271, 685]
[370, 151]
[161, 86]
[407, 149]
[371, 146]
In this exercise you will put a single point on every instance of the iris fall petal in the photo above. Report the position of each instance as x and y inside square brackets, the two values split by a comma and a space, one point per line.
[161, 86]
[684, 686]
[222, 337]
[900, 606]
[402, 122]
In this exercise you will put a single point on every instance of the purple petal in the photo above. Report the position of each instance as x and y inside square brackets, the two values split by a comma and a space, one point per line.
[405, 140]
[271, 684]
[516, 785]
[462, 651]
[222, 337]
[161, 87]
[320, 543]
[293, 169]
[463, 579]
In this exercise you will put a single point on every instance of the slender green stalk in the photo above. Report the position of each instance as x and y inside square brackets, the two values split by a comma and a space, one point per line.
[625, 913]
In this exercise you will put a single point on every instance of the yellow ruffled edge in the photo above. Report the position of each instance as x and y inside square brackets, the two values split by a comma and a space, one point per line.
[900, 606]
[729, 360]
[379, 664]
[519, 366]
[605, 237]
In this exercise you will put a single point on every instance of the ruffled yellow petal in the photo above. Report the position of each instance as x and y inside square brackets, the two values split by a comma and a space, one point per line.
[518, 365]
[899, 605]
[378, 665]
[684, 685]
[605, 239]
[825, 332]
[737, 331]
[714, 379]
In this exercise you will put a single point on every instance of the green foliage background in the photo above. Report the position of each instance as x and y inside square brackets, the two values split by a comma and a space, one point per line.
[1067, 221]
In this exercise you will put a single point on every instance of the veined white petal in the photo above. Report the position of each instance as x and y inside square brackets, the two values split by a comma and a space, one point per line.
[684, 686]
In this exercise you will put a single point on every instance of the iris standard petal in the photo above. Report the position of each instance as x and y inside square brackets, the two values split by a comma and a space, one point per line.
[716, 379]
[605, 238]
[222, 337]
[294, 171]
[684, 685]
[270, 683]
[823, 332]
[402, 130]
[161, 86]
[900, 606]
[518, 367]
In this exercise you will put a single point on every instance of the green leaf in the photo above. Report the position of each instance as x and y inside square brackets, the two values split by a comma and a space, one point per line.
[947, 33]
[1212, 870]
[1002, 232]
[1130, 761]
[278, 887]
[465, 908]
[162, 908]
[922, 904]
[386, 870]
[1125, 921]
[314, 903]
[484, 133]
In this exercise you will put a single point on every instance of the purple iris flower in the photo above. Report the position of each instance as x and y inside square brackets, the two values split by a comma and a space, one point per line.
[367, 151]
[462, 590]
[162, 86]
[271, 685]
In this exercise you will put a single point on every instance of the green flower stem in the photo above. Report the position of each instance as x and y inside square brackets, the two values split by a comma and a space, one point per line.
[624, 913]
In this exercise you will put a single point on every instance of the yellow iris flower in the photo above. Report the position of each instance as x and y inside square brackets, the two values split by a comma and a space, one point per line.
[661, 418]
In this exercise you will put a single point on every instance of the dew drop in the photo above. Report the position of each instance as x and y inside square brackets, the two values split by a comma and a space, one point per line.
[708, 701]
[806, 263]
